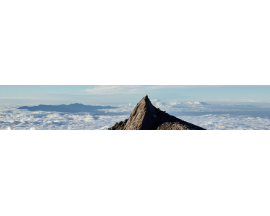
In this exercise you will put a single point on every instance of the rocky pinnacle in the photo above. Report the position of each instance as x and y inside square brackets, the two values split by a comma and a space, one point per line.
[147, 117]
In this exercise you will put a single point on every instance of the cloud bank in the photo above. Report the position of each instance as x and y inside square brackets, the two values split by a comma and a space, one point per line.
[212, 117]
[12, 118]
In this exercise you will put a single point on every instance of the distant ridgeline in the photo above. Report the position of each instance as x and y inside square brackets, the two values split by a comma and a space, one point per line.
[72, 108]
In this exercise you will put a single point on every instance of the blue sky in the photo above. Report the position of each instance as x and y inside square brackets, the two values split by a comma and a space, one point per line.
[122, 94]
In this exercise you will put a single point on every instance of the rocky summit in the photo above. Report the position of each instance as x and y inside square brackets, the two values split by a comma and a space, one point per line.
[147, 117]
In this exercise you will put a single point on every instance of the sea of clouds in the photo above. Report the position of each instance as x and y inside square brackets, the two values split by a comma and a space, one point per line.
[12, 118]
[220, 116]
[209, 116]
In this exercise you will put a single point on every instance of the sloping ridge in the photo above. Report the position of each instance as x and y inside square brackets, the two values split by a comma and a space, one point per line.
[147, 117]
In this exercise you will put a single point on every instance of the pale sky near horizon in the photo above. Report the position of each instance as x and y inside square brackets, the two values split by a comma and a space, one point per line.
[131, 93]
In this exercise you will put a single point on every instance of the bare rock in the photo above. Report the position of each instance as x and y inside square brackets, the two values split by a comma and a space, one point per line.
[147, 117]
[172, 126]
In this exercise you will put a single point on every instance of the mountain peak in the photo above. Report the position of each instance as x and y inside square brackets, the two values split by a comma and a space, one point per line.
[144, 103]
[145, 100]
[147, 117]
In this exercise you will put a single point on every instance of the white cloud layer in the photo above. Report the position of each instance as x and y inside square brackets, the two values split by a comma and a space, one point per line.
[228, 122]
[12, 118]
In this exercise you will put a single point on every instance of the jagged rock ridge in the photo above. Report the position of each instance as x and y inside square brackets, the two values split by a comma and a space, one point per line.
[147, 117]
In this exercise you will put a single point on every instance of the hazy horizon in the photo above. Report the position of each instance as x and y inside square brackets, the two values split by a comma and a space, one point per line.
[125, 94]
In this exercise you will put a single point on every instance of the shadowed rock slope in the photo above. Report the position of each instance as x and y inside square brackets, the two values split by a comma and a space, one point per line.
[147, 117]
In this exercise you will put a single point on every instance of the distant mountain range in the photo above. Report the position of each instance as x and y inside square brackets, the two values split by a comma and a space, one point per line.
[73, 108]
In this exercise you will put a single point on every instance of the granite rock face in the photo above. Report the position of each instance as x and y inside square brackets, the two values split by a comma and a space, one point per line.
[147, 117]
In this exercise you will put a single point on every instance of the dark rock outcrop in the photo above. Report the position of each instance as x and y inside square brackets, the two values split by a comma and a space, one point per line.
[147, 117]
[172, 126]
